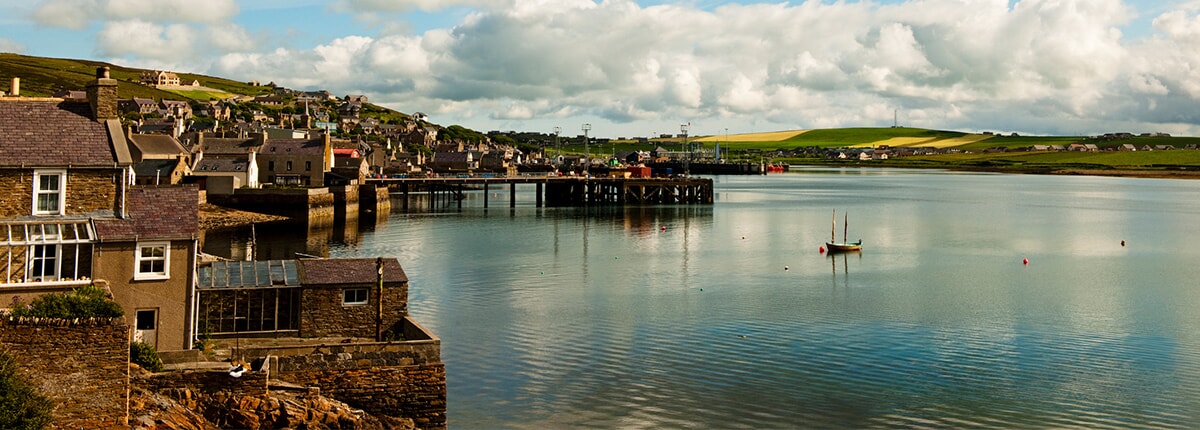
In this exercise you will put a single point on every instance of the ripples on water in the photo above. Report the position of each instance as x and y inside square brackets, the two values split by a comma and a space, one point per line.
[554, 318]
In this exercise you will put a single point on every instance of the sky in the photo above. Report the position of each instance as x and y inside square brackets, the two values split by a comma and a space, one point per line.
[647, 67]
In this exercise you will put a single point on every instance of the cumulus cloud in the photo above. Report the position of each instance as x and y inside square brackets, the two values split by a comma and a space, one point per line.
[370, 6]
[72, 14]
[230, 38]
[11, 46]
[1060, 66]
[172, 10]
[145, 40]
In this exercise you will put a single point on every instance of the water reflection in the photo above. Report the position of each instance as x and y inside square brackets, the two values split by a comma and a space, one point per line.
[600, 317]
[285, 239]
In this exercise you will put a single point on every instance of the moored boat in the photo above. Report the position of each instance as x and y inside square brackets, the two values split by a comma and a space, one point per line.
[833, 246]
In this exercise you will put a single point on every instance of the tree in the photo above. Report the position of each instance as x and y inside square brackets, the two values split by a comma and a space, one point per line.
[21, 406]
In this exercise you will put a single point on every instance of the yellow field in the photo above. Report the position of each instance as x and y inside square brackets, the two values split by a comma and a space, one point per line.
[970, 138]
[775, 136]
[925, 141]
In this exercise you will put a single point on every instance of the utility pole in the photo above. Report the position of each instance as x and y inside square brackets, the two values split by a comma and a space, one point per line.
[688, 155]
[587, 155]
[557, 130]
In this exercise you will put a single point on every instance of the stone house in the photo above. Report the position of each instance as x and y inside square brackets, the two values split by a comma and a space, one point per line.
[71, 218]
[176, 108]
[350, 168]
[154, 78]
[158, 159]
[139, 105]
[446, 162]
[221, 165]
[296, 162]
[301, 297]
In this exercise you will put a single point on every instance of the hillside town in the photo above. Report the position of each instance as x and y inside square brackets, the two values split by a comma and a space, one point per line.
[92, 202]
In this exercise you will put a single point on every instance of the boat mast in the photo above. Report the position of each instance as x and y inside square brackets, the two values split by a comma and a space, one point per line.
[833, 227]
[845, 227]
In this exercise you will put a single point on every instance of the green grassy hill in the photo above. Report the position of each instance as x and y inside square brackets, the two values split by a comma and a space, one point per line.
[42, 77]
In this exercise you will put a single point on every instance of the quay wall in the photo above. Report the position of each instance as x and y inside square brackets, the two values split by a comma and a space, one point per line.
[317, 206]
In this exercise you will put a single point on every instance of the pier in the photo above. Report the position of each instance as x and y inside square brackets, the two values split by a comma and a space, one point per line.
[555, 191]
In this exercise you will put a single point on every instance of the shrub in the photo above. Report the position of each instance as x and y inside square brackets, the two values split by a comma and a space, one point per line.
[83, 302]
[146, 356]
[21, 406]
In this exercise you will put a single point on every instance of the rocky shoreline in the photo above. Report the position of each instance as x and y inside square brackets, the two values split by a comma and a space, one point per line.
[213, 217]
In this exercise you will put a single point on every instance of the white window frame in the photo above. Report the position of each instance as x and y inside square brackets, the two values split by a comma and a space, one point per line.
[38, 191]
[366, 297]
[138, 259]
[32, 259]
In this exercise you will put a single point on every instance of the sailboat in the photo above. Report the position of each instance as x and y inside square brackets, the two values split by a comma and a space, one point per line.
[844, 246]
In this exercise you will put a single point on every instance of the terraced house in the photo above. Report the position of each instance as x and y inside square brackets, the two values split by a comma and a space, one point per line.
[70, 216]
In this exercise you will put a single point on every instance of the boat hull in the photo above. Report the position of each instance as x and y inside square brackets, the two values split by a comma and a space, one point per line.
[843, 247]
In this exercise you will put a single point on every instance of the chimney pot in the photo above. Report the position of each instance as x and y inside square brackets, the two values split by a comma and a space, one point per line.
[16, 87]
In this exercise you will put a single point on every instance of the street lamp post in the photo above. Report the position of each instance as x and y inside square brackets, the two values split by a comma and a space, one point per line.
[587, 155]
[686, 159]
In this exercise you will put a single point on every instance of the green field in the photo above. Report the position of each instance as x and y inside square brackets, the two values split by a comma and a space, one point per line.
[202, 95]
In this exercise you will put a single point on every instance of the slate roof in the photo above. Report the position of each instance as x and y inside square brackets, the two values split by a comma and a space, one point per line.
[154, 213]
[157, 145]
[150, 168]
[221, 165]
[321, 271]
[219, 145]
[294, 147]
[347, 162]
[36, 133]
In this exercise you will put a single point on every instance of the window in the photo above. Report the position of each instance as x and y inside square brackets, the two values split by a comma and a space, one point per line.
[146, 319]
[43, 263]
[289, 166]
[271, 165]
[153, 261]
[49, 192]
[307, 166]
[355, 296]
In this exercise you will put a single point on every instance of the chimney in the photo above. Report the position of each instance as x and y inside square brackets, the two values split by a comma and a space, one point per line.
[102, 95]
[16, 87]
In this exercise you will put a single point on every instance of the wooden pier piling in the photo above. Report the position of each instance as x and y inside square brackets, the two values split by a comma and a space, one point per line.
[560, 191]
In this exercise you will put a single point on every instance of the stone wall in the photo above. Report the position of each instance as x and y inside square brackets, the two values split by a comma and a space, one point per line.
[87, 191]
[398, 380]
[83, 365]
[91, 191]
[209, 382]
[322, 313]
[374, 202]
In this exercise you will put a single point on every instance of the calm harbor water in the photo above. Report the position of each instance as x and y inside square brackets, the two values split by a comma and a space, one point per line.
[728, 316]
